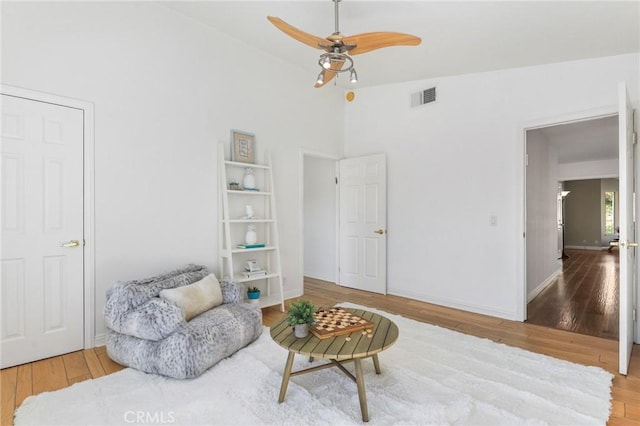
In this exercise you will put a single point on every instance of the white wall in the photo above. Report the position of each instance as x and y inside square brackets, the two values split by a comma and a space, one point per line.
[454, 163]
[588, 169]
[542, 220]
[166, 91]
[320, 218]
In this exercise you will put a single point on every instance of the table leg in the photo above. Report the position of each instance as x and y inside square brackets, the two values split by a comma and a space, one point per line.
[285, 376]
[376, 363]
[361, 391]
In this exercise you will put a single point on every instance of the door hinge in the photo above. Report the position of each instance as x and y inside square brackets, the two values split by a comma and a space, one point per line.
[336, 180]
[524, 235]
[635, 138]
[634, 315]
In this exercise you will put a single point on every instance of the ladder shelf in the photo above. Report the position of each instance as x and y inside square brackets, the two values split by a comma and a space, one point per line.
[233, 202]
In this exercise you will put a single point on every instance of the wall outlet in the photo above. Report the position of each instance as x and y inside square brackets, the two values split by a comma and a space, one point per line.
[493, 220]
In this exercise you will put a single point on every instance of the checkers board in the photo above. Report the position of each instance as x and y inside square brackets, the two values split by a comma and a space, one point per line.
[336, 322]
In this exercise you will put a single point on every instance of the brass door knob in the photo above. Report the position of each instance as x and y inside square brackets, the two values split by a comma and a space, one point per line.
[72, 243]
[379, 231]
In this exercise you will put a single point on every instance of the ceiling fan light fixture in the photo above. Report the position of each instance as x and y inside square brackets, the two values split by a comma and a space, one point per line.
[325, 62]
[339, 48]
[353, 77]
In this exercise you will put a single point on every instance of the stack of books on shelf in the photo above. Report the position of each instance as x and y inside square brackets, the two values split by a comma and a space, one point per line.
[248, 246]
[252, 269]
[252, 274]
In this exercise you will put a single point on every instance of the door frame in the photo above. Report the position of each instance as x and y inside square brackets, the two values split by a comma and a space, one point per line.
[521, 243]
[314, 154]
[87, 109]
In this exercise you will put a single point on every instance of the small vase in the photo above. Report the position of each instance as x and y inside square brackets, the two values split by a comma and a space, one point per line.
[249, 180]
[251, 237]
[301, 330]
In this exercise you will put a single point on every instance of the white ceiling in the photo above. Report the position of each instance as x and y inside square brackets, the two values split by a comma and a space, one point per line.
[586, 140]
[457, 37]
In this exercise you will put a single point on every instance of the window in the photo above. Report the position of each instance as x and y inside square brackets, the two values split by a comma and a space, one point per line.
[609, 213]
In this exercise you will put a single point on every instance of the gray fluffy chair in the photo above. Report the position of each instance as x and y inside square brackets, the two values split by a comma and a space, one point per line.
[151, 334]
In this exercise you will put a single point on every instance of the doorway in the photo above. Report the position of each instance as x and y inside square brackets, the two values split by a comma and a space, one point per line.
[572, 277]
[319, 216]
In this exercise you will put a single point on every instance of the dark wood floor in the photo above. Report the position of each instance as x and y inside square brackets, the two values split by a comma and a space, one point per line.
[583, 298]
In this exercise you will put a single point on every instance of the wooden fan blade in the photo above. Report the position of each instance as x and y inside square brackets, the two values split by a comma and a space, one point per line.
[367, 42]
[301, 36]
[328, 75]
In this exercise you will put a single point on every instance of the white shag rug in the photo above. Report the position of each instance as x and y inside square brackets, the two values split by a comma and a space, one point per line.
[431, 376]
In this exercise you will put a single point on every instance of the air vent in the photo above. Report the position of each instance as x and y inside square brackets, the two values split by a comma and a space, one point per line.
[428, 96]
[424, 97]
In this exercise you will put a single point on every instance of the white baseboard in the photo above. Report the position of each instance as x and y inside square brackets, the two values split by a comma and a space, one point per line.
[544, 284]
[291, 294]
[450, 303]
[100, 340]
[320, 277]
[586, 247]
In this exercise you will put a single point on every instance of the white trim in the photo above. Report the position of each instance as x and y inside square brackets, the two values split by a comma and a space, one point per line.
[315, 277]
[544, 284]
[89, 182]
[521, 207]
[455, 304]
[587, 247]
[314, 154]
[100, 340]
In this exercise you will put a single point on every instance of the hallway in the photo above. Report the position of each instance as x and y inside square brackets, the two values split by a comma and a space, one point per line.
[583, 298]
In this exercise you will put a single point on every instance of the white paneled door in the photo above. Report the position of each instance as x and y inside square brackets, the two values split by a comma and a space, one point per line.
[363, 223]
[42, 230]
[628, 241]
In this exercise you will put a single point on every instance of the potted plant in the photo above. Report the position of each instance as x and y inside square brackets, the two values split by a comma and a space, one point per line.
[253, 293]
[301, 316]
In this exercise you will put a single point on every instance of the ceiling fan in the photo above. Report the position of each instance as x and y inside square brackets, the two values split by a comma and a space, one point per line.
[339, 48]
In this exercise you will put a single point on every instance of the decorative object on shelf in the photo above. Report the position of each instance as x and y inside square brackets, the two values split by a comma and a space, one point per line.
[249, 180]
[251, 265]
[242, 147]
[251, 237]
[251, 246]
[254, 274]
[248, 211]
[253, 294]
[301, 315]
[234, 186]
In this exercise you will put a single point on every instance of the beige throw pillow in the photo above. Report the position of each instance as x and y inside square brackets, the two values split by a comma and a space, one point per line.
[195, 298]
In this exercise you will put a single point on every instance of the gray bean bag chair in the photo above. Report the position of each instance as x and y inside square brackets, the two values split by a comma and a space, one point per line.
[151, 334]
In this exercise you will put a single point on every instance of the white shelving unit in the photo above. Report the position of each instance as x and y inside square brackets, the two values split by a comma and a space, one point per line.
[233, 227]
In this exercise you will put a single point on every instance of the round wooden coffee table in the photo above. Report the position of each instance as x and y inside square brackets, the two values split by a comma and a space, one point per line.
[338, 350]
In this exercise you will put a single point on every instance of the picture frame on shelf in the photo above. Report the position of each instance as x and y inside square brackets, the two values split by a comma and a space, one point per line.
[243, 147]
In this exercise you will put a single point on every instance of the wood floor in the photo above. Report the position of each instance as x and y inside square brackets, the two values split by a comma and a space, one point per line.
[58, 372]
[584, 298]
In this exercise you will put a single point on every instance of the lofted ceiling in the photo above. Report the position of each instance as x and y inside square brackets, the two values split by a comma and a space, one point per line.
[457, 37]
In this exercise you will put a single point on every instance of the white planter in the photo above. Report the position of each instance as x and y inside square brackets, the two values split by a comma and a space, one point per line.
[301, 330]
